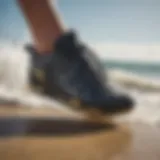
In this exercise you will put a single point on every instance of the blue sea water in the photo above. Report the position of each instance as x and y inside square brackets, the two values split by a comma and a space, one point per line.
[138, 68]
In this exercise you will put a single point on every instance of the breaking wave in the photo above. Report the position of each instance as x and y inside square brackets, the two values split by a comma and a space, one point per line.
[134, 81]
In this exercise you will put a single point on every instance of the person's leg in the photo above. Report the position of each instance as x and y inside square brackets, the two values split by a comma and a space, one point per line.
[70, 73]
[44, 23]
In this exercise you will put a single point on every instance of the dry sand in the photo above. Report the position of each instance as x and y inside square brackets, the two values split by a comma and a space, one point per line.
[121, 142]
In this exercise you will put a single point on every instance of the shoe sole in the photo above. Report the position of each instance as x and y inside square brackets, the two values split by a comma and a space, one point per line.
[95, 113]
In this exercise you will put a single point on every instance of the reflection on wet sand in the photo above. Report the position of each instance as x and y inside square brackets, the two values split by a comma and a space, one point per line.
[46, 134]
[32, 126]
[68, 140]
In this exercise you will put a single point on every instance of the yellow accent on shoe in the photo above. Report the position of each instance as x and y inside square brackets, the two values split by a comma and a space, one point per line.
[40, 74]
[75, 103]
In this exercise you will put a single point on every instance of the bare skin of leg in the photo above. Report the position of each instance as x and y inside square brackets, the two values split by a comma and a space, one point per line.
[43, 22]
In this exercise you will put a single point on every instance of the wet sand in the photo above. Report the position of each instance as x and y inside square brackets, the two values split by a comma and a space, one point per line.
[53, 135]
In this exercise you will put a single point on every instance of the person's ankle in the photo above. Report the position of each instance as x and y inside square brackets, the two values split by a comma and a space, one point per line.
[45, 47]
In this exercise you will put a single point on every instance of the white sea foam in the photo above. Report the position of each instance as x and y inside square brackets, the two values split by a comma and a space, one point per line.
[145, 91]
[14, 65]
[134, 81]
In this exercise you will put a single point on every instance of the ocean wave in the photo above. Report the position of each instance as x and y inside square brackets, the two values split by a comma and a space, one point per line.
[144, 90]
[134, 81]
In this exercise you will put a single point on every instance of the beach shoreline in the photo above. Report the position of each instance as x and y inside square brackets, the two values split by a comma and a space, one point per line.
[124, 142]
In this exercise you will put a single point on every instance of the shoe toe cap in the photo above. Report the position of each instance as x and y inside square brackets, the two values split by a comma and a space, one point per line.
[118, 104]
[113, 104]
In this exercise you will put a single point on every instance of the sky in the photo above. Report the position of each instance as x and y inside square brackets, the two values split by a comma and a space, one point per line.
[113, 26]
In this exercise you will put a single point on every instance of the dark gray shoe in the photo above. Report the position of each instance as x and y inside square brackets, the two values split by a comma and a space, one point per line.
[74, 75]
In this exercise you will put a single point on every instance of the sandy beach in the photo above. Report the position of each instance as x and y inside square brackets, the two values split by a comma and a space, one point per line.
[111, 142]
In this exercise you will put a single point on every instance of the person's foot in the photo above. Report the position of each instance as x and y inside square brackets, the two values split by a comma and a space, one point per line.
[75, 76]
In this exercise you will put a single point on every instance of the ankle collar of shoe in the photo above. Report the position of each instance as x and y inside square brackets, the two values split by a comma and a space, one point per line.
[29, 48]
